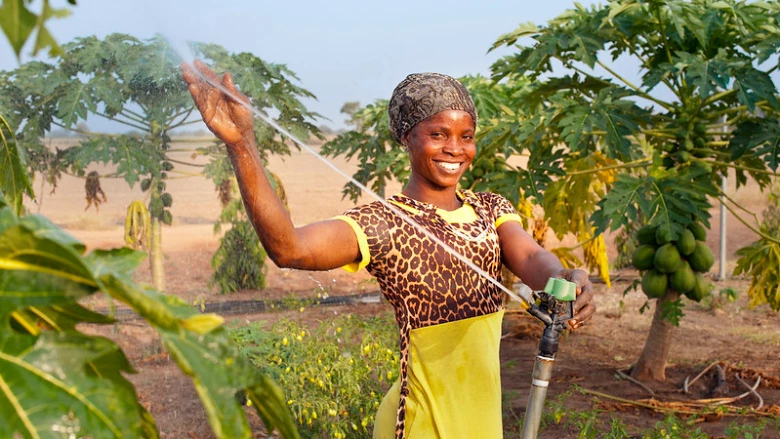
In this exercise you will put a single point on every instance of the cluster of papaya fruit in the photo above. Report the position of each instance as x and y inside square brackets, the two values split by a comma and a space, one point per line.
[676, 265]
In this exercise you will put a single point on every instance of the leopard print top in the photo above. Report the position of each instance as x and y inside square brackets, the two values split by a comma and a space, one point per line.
[423, 282]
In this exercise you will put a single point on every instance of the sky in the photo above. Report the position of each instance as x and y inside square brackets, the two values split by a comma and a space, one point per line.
[341, 50]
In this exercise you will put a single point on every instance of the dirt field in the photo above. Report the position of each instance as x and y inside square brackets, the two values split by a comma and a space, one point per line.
[744, 339]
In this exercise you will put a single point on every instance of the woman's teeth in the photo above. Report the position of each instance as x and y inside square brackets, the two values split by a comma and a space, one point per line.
[449, 166]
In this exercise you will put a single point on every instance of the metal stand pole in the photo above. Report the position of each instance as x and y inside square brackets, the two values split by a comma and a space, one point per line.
[543, 366]
[556, 307]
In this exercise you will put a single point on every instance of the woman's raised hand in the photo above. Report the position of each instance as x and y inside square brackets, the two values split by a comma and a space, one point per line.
[227, 118]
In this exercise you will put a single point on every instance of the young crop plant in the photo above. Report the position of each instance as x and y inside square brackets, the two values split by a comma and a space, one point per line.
[704, 104]
[334, 375]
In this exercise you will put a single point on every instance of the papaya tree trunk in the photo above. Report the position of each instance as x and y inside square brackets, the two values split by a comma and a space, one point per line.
[156, 256]
[651, 364]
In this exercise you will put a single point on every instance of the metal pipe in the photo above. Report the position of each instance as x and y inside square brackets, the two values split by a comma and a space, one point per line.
[723, 185]
[541, 380]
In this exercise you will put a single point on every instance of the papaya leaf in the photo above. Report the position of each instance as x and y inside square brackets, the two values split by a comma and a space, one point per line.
[761, 261]
[14, 181]
[753, 85]
[622, 204]
[51, 386]
[762, 136]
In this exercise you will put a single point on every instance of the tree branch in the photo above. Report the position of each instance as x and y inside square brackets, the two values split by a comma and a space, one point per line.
[194, 165]
[735, 166]
[85, 132]
[753, 229]
[124, 122]
[635, 164]
[639, 91]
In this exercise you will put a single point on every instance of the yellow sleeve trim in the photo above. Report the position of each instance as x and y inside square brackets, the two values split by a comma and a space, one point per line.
[354, 267]
[508, 217]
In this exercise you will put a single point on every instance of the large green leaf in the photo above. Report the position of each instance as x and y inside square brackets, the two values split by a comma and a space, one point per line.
[761, 261]
[14, 181]
[761, 136]
[18, 23]
[622, 204]
[56, 379]
[57, 382]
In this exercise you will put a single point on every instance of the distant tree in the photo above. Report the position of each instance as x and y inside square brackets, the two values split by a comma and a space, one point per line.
[350, 108]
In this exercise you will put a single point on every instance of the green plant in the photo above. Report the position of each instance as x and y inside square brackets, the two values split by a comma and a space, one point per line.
[334, 375]
[755, 258]
[56, 377]
[239, 262]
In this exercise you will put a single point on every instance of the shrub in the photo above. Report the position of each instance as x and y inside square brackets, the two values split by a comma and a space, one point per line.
[334, 376]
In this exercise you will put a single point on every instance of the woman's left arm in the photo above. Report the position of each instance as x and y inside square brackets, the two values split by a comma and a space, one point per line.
[535, 265]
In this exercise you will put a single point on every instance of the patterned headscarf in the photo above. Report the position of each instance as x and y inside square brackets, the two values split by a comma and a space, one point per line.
[420, 96]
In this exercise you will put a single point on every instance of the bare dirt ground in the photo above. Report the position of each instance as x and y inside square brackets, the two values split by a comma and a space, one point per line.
[747, 340]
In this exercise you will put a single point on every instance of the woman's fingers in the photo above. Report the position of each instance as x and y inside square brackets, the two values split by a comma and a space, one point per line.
[584, 305]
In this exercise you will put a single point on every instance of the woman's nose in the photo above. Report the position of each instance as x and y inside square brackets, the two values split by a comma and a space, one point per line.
[454, 146]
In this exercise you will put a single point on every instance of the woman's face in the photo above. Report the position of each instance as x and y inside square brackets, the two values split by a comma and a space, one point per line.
[441, 148]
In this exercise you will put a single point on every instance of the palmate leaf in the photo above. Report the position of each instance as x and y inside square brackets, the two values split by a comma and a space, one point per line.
[753, 86]
[14, 181]
[134, 156]
[761, 261]
[622, 203]
[675, 203]
[761, 136]
[18, 23]
[58, 381]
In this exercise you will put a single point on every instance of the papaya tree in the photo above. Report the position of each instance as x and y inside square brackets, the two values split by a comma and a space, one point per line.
[137, 84]
[704, 104]
[58, 381]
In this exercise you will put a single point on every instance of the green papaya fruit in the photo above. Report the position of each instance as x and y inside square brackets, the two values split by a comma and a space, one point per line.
[642, 258]
[686, 243]
[667, 258]
[701, 259]
[654, 284]
[682, 280]
[700, 289]
[646, 235]
[699, 232]
[661, 237]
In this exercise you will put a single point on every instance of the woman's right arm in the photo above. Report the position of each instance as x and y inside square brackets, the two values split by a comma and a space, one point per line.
[319, 246]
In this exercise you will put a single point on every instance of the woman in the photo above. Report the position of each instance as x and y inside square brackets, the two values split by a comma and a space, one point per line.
[449, 317]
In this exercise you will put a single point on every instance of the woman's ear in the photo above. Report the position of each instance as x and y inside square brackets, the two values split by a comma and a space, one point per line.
[405, 141]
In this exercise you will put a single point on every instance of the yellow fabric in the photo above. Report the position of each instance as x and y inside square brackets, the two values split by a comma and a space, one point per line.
[510, 217]
[454, 383]
[362, 245]
[463, 214]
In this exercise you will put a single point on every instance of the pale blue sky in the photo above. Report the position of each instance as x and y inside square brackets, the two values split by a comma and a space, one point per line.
[342, 50]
